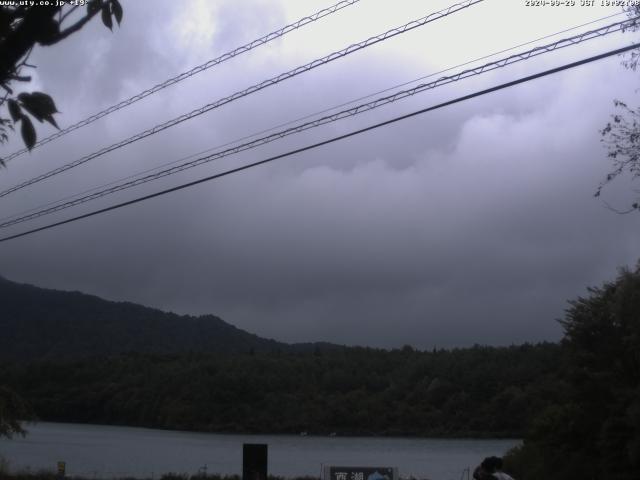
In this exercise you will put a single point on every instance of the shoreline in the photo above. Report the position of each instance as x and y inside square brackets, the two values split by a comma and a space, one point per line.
[131, 452]
[310, 434]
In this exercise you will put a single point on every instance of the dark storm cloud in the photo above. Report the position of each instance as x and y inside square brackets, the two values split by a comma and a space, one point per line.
[471, 224]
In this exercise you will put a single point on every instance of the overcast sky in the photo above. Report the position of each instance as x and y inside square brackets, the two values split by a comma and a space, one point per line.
[471, 224]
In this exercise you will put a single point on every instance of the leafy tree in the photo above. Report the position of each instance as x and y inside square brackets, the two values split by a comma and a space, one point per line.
[621, 135]
[594, 430]
[12, 410]
[22, 27]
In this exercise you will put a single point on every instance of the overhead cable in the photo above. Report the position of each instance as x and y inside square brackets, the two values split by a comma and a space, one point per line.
[501, 63]
[189, 73]
[254, 88]
[299, 119]
[330, 140]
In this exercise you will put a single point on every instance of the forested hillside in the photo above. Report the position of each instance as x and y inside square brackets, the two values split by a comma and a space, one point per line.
[476, 392]
[78, 358]
[38, 323]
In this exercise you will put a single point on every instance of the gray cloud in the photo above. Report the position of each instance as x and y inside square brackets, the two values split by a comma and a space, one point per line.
[472, 224]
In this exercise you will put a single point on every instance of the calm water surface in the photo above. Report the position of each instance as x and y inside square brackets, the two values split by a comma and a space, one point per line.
[102, 451]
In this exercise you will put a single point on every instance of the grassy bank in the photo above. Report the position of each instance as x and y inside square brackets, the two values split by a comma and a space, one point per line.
[49, 475]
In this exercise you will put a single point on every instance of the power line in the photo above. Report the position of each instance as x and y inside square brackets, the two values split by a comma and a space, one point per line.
[331, 140]
[195, 70]
[290, 122]
[254, 88]
[501, 63]
[305, 117]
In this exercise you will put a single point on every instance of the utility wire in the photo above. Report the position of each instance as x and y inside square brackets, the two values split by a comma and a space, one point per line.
[332, 140]
[291, 122]
[311, 115]
[254, 88]
[570, 41]
[195, 70]
[305, 117]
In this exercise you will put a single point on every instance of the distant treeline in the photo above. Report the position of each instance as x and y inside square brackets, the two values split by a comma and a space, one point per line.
[477, 392]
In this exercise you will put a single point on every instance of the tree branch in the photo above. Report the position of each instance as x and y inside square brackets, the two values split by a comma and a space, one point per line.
[15, 46]
[72, 29]
[20, 78]
[615, 210]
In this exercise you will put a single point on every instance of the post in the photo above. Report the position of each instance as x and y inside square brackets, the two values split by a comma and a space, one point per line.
[62, 468]
[254, 461]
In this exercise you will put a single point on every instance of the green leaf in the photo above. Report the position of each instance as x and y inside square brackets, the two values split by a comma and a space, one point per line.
[46, 101]
[116, 9]
[28, 132]
[106, 17]
[14, 109]
[52, 121]
[5, 21]
[40, 105]
[48, 30]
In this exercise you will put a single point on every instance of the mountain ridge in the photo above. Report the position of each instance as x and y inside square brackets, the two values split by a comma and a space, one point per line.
[47, 324]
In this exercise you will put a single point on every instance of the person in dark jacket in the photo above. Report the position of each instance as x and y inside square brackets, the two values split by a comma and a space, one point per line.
[487, 468]
[490, 469]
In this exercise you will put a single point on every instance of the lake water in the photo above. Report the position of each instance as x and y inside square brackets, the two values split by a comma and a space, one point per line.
[97, 451]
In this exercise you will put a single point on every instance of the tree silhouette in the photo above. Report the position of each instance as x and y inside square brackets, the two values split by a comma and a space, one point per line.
[621, 135]
[23, 27]
[593, 429]
[12, 410]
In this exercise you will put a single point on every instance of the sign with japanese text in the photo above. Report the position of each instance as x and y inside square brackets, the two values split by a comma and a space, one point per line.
[360, 473]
